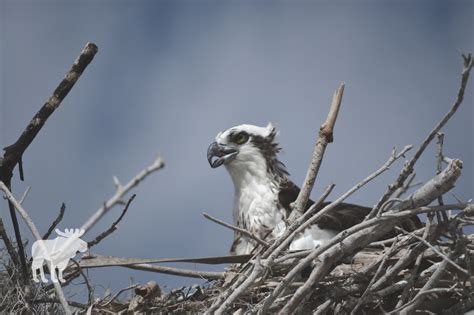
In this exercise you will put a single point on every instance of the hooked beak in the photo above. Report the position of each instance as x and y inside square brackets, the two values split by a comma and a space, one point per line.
[222, 154]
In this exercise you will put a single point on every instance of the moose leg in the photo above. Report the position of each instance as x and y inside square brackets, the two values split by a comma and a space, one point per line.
[60, 274]
[52, 270]
[43, 278]
[34, 273]
[35, 265]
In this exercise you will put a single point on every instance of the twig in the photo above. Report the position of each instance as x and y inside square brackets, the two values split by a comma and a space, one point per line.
[414, 271]
[283, 241]
[72, 303]
[121, 191]
[452, 263]
[8, 244]
[90, 290]
[37, 235]
[133, 286]
[55, 222]
[325, 137]
[242, 288]
[209, 275]
[410, 306]
[237, 229]
[439, 168]
[321, 309]
[14, 153]
[23, 197]
[381, 268]
[409, 167]
[98, 261]
[401, 190]
[112, 228]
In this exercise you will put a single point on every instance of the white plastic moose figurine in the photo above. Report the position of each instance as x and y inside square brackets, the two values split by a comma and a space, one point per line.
[57, 252]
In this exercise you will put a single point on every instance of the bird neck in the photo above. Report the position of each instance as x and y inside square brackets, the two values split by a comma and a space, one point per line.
[246, 175]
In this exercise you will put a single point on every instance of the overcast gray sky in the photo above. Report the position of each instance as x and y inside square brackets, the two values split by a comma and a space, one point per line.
[170, 75]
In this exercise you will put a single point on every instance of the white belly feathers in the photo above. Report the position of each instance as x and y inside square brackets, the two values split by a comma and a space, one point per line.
[256, 209]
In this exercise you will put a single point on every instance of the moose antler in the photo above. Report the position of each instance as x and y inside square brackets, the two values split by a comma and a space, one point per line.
[61, 233]
[70, 232]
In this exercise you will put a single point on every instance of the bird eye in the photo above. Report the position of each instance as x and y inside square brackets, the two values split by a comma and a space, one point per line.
[241, 138]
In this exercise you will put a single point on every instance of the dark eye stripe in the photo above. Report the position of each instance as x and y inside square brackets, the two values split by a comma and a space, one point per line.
[239, 138]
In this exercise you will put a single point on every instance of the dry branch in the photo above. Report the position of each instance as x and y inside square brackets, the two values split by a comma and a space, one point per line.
[8, 244]
[208, 275]
[121, 191]
[409, 167]
[236, 229]
[112, 228]
[325, 137]
[55, 222]
[14, 153]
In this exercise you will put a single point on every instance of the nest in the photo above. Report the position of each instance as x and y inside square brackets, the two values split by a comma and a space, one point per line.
[429, 269]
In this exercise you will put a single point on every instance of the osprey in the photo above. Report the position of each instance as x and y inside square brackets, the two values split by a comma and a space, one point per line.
[263, 191]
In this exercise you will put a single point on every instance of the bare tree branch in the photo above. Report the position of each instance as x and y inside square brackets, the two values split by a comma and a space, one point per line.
[409, 167]
[209, 275]
[90, 289]
[325, 137]
[242, 288]
[452, 263]
[8, 244]
[14, 153]
[55, 222]
[121, 191]
[112, 228]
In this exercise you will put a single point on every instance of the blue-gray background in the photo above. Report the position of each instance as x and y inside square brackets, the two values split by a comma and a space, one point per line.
[170, 75]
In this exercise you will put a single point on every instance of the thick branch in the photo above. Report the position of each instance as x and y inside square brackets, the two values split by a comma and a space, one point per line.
[14, 152]
[325, 137]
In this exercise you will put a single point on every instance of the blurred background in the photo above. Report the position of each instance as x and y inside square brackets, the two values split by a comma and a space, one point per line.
[170, 75]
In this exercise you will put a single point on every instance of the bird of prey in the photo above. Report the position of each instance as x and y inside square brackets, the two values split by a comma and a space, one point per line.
[263, 192]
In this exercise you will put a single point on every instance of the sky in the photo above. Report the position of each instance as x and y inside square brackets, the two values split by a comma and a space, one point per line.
[169, 75]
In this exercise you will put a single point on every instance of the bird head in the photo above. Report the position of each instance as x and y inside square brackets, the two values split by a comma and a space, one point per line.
[246, 148]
